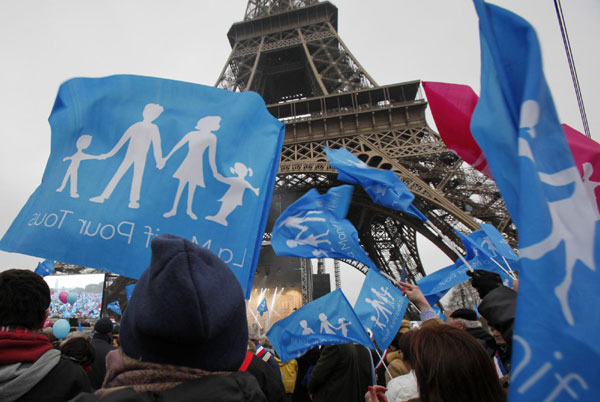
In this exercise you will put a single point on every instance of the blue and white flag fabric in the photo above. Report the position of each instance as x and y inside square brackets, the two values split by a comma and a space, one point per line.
[129, 290]
[435, 285]
[79, 326]
[380, 307]
[493, 242]
[114, 306]
[45, 268]
[441, 314]
[383, 186]
[481, 258]
[262, 307]
[132, 157]
[314, 226]
[516, 126]
[329, 320]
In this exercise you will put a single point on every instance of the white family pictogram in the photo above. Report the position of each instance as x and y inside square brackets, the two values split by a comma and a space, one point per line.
[326, 327]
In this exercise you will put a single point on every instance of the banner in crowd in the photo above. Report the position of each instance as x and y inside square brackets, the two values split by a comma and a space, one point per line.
[479, 257]
[329, 320]
[516, 126]
[45, 268]
[132, 157]
[383, 186]
[435, 285]
[380, 307]
[314, 226]
[114, 307]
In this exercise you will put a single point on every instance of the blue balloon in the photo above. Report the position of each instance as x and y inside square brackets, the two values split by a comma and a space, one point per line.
[71, 298]
[61, 328]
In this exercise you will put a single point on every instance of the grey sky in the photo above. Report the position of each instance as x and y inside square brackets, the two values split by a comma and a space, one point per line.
[44, 43]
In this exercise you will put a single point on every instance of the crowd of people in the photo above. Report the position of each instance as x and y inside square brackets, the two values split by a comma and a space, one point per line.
[87, 306]
[194, 345]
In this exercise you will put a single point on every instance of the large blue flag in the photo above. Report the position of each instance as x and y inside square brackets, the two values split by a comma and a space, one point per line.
[132, 157]
[515, 124]
[45, 267]
[480, 257]
[314, 226]
[380, 307]
[435, 285]
[383, 186]
[329, 320]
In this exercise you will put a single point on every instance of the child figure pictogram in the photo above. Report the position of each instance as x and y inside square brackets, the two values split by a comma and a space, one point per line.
[82, 143]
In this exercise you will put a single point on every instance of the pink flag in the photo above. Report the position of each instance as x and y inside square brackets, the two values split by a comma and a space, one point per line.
[586, 153]
[452, 106]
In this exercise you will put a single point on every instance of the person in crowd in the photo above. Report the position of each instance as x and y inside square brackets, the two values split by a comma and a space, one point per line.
[504, 351]
[184, 332]
[342, 373]
[80, 350]
[466, 319]
[306, 364]
[289, 371]
[30, 369]
[270, 383]
[102, 343]
[404, 387]
[264, 350]
[396, 366]
[498, 303]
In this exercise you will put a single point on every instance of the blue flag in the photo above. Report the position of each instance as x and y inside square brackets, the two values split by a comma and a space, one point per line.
[79, 327]
[132, 157]
[489, 238]
[114, 306]
[434, 286]
[516, 126]
[45, 267]
[315, 227]
[481, 258]
[441, 315]
[383, 186]
[329, 320]
[380, 307]
[129, 290]
[262, 307]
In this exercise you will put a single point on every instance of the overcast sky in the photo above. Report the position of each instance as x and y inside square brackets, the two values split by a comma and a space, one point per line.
[43, 43]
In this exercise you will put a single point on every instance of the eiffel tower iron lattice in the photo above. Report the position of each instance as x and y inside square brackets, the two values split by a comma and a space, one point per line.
[290, 52]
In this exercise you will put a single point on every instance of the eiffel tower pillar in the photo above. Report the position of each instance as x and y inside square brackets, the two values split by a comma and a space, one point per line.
[290, 52]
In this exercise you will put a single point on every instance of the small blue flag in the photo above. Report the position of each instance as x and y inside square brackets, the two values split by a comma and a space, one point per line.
[315, 227]
[435, 285]
[329, 320]
[114, 306]
[45, 268]
[495, 243]
[129, 291]
[516, 126]
[132, 157]
[481, 258]
[380, 307]
[79, 327]
[383, 186]
[262, 307]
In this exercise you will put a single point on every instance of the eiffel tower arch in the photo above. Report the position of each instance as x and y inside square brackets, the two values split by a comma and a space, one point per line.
[290, 52]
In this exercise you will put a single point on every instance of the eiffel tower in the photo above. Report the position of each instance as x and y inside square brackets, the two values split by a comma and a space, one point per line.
[290, 52]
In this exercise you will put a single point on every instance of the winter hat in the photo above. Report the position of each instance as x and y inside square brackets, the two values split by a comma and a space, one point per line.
[187, 309]
[464, 313]
[103, 326]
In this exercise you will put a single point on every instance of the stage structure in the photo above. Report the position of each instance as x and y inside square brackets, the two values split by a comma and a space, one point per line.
[290, 52]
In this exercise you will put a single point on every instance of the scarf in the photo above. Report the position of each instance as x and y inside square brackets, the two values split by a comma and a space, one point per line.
[122, 371]
[18, 345]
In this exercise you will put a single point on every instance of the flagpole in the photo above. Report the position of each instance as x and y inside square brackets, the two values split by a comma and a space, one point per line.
[382, 362]
[509, 267]
[502, 268]
[449, 244]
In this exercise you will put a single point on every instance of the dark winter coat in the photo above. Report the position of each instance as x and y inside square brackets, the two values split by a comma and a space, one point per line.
[237, 387]
[101, 344]
[498, 308]
[270, 383]
[342, 373]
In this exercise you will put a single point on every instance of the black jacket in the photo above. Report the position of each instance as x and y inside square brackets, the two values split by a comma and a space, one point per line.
[498, 308]
[66, 380]
[342, 373]
[101, 345]
[237, 387]
[270, 383]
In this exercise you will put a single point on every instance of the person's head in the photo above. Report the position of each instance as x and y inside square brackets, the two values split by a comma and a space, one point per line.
[500, 341]
[464, 318]
[24, 299]
[83, 141]
[187, 309]
[450, 365]
[78, 348]
[404, 347]
[210, 123]
[103, 326]
[151, 112]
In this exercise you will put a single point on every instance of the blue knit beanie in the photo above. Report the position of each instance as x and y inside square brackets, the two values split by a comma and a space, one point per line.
[187, 309]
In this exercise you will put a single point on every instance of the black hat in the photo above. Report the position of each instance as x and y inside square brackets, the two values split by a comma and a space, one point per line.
[464, 313]
[187, 309]
[103, 326]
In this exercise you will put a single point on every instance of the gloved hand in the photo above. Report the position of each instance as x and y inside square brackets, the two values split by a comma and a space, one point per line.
[484, 281]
